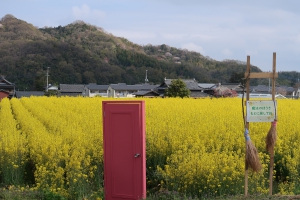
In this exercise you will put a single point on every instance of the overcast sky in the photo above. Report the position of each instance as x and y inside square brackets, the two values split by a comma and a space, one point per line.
[220, 29]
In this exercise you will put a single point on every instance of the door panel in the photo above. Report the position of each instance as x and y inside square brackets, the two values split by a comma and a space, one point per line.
[124, 150]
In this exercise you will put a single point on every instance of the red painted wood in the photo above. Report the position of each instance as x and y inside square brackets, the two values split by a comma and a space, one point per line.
[3, 95]
[123, 139]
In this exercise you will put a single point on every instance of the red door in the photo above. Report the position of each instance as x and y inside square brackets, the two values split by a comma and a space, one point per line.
[124, 149]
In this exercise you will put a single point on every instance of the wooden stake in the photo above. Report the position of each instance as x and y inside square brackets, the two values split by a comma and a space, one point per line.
[272, 150]
[247, 124]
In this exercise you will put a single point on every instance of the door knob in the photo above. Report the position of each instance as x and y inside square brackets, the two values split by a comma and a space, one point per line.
[136, 155]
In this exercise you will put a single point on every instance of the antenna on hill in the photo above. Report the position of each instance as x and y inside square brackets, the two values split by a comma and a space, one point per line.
[146, 79]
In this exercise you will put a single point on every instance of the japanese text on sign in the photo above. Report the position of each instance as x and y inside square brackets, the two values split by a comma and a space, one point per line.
[261, 111]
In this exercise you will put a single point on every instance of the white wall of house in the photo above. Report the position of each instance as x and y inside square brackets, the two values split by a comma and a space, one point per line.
[119, 93]
[92, 93]
[111, 92]
[298, 93]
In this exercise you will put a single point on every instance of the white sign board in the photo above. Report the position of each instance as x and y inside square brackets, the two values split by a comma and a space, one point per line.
[261, 111]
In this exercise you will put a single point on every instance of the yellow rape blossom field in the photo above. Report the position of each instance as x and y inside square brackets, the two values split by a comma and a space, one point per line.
[195, 147]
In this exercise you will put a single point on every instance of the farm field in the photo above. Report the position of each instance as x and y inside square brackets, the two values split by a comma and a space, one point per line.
[194, 147]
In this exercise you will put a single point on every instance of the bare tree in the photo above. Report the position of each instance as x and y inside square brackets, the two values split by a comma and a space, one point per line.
[7, 17]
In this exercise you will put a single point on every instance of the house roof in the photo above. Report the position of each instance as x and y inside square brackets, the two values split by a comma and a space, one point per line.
[97, 87]
[232, 86]
[52, 87]
[5, 83]
[146, 93]
[199, 94]
[123, 86]
[20, 94]
[207, 85]
[261, 88]
[4, 91]
[69, 88]
[286, 88]
[70, 94]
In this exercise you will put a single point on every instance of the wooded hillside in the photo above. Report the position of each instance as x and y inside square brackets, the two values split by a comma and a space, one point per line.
[81, 53]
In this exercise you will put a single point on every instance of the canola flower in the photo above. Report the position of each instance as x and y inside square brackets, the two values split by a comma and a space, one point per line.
[193, 146]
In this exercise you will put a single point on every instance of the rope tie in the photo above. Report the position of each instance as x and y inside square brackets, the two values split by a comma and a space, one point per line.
[246, 134]
[274, 123]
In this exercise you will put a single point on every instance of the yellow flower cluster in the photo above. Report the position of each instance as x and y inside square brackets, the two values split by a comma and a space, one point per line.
[13, 147]
[194, 146]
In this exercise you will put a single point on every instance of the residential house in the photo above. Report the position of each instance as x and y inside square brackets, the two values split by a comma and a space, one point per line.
[237, 87]
[296, 94]
[285, 90]
[52, 88]
[225, 91]
[92, 89]
[191, 84]
[124, 90]
[71, 89]
[20, 94]
[7, 89]
[282, 90]
[207, 88]
[146, 93]
[262, 89]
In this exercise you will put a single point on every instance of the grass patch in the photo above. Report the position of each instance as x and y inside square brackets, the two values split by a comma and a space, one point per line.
[20, 193]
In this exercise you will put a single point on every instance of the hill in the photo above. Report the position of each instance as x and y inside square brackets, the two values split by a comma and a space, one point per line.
[80, 53]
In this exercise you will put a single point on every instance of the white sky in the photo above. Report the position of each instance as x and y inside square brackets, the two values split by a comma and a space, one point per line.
[220, 29]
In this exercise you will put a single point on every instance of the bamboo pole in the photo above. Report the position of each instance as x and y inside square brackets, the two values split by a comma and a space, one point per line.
[247, 125]
[272, 149]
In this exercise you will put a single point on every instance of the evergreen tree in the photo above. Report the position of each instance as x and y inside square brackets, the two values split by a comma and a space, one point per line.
[177, 88]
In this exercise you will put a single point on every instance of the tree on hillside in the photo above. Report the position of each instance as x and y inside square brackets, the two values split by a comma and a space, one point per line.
[236, 77]
[177, 88]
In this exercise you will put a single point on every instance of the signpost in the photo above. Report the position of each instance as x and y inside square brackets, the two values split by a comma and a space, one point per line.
[261, 111]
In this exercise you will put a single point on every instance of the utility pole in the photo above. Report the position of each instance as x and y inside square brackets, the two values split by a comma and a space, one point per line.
[47, 78]
[146, 79]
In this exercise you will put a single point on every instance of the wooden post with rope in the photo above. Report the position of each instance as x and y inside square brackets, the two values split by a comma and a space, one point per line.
[251, 160]
[271, 137]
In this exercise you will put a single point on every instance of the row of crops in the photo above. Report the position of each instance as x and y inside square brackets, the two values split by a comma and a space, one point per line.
[194, 146]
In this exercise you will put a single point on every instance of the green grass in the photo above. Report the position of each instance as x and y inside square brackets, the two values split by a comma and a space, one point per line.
[15, 194]
[12, 193]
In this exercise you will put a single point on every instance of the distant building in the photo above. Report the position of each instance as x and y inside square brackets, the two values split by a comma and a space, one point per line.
[123, 90]
[20, 94]
[262, 89]
[7, 89]
[52, 87]
[225, 91]
[207, 88]
[92, 90]
[191, 84]
[146, 93]
[71, 89]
